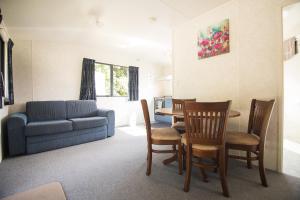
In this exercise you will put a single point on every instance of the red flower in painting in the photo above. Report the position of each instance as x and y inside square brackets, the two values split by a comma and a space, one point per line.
[218, 46]
[215, 41]
[201, 53]
[217, 35]
[204, 42]
[225, 37]
[225, 50]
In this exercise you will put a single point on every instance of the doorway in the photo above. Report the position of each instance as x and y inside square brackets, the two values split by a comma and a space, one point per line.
[291, 131]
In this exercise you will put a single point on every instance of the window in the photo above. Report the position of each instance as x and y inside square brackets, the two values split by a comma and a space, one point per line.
[102, 79]
[120, 81]
[111, 80]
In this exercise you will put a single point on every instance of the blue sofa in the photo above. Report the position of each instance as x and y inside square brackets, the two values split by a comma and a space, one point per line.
[48, 125]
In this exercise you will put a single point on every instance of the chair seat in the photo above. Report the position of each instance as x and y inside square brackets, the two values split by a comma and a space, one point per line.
[179, 117]
[178, 125]
[241, 138]
[199, 146]
[165, 134]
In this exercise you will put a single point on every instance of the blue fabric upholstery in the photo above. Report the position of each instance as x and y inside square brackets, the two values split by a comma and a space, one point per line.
[110, 115]
[45, 110]
[54, 124]
[77, 109]
[15, 127]
[48, 127]
[88, 122]
[48, 142]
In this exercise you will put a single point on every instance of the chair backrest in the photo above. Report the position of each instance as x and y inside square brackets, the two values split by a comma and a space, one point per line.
[177, 104]
[259, 118]
[206, 122]
[147, 118]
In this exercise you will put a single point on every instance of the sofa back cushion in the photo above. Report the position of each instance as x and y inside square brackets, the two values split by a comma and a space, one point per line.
[81, 108]
[46, 110]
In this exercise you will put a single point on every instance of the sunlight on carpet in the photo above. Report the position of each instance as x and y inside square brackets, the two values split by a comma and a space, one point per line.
[133, 130]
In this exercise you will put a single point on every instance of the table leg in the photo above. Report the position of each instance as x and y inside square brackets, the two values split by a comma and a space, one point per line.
[171, 159]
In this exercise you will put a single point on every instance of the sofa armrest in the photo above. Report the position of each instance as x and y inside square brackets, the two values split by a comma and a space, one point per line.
[110, 115]
[15, 130]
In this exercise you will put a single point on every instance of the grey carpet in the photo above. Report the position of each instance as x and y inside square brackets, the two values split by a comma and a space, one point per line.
[114, 169]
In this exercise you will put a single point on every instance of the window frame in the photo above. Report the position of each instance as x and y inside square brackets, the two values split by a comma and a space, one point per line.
[111, 66]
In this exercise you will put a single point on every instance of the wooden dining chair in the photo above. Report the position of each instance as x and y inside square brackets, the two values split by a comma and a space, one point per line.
[161, 136]
[205, 138]
[178, 120]
[252, 141]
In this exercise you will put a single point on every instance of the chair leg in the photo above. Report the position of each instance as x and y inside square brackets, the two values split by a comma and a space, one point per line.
[183, 157]
[222, 172]
[262, 170]
[179, 157]
[188, 171]
[249, 163]
[174, 147]
[226, 159]
[204, 175]
[149, 161]
[217, 160]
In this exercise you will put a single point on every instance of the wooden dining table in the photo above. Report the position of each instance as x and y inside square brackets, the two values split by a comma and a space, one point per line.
[171, 112]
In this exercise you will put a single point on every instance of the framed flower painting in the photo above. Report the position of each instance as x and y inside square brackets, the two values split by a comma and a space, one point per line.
[214, 41]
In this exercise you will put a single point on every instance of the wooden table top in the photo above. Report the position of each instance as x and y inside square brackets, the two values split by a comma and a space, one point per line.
[169, 111]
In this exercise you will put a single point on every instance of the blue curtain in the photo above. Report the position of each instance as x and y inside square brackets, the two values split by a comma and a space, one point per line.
[10, 101]
[1, 89]
[133, 84]
[88, 89]
[2, 63]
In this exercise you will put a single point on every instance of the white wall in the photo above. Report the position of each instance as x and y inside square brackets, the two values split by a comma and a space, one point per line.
[208, 79]
[167, 81]
[252, 69]
[49, 70]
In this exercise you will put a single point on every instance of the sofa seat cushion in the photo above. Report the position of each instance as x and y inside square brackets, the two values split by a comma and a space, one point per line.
[48, 127]
[88, 122]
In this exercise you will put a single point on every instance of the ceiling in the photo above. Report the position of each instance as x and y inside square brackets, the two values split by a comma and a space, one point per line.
[142, 27]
